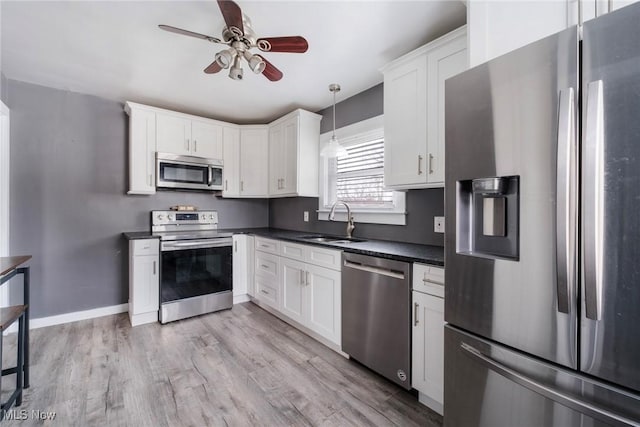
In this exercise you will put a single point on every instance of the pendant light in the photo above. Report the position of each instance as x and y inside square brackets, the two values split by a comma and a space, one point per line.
[334, 148]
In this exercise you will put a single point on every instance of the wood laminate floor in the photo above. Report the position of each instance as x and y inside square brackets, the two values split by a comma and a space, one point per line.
[237, 367]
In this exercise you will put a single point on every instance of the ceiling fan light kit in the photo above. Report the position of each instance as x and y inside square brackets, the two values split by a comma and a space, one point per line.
[334, 148]
[240, 38]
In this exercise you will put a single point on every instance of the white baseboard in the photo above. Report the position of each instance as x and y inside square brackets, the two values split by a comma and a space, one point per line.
[237, 299]
[77, 315]
[430, 403]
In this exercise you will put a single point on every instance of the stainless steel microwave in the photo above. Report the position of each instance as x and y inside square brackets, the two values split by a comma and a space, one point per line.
[188, 172]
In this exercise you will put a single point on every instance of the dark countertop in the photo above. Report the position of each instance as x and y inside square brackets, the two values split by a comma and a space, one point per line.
[400, 251]
[138, 235]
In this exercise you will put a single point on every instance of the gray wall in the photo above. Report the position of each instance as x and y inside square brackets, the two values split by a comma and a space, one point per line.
[422, 205]
[68, 201]
[366, 104]
[3, 87]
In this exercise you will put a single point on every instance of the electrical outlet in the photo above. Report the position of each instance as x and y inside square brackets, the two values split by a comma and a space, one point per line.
[438, 224]
[306, 216]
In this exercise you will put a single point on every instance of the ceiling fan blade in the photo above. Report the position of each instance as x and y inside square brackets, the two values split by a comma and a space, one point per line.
[189, 33]
[232, 15]
[291, 44]
[270, 71]
[213, 68]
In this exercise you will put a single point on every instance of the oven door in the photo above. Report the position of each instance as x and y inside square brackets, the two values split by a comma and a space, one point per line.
[193, 268]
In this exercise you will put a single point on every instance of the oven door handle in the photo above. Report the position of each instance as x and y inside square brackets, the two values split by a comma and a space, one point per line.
[210, 176]
[200, 244]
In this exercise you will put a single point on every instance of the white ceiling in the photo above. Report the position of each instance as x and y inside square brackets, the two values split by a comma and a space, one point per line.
[114, 49]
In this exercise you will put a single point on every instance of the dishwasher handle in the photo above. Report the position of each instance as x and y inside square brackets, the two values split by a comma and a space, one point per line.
[375, 270]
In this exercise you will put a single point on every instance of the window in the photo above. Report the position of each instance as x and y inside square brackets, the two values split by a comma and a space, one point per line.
[358, 178]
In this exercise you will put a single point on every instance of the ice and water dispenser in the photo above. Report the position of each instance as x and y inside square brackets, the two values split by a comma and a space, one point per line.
[488, 217]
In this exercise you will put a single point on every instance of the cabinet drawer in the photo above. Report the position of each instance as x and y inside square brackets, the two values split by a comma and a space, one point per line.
[322, 257]
[267, 291]
[291, 250]
[267, 265]
[146, 247]
[428, 279]
[267, 245]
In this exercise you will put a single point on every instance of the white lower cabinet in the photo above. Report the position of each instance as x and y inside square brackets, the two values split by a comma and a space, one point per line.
[302, 283]
[323, 289]
[144, 284]
[243, 249]
[427, 358]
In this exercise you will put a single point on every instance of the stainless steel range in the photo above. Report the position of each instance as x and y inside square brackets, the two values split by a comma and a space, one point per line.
[195, 264]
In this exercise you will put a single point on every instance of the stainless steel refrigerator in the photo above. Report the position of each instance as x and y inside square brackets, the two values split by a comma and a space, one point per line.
[542, 248]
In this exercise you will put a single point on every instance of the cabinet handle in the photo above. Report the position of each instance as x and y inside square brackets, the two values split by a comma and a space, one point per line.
[416, 308]
[301, 277]
[430, 163]
[419, 164]
[264, 266]
[308, 281]
[195, 145]
[154, 268]
[264, 292]
[226, 185]
[241, 185]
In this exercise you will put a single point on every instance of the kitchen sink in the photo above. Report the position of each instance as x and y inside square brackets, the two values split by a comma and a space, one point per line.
[331, 239]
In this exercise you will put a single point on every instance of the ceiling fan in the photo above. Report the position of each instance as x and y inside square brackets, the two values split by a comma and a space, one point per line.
[240, 38]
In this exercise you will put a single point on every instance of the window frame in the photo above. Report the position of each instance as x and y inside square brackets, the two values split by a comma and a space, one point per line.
[356, 133]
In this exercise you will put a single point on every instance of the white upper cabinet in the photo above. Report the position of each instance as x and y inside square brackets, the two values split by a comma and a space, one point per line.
[254, 164]
[173, 134]
[498, 27]
[293, 155]
[184, 136]
[142, 149]
[231, 161]
[244, 150]
[414, 111]
[207, 139]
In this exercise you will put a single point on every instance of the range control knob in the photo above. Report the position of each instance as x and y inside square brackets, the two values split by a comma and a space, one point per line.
[211, 216]
[170, 217]
[160, 217]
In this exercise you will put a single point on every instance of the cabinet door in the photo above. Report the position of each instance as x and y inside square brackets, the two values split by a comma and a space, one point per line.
[445, 62]
[276, 151]
[405, 125]
[289, 159]
[231, 162]
[142, 152]
[242, 264]
[173, 134]
[207, 140]
[292, 279]
[324, 302]
[267, 291]
[254, 165]
[427, 370]
[145, 289]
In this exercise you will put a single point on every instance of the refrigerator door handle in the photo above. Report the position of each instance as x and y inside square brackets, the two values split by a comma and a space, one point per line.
[565, 204]
[593, 178]
[547, 391]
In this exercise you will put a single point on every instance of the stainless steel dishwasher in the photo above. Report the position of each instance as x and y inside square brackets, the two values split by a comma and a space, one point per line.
[376, 315]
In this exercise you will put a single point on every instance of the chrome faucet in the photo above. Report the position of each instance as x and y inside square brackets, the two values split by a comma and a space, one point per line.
[350, 224]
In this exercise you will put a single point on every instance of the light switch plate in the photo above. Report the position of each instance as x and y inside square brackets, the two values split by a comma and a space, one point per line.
[306, 216]
[438, 224]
